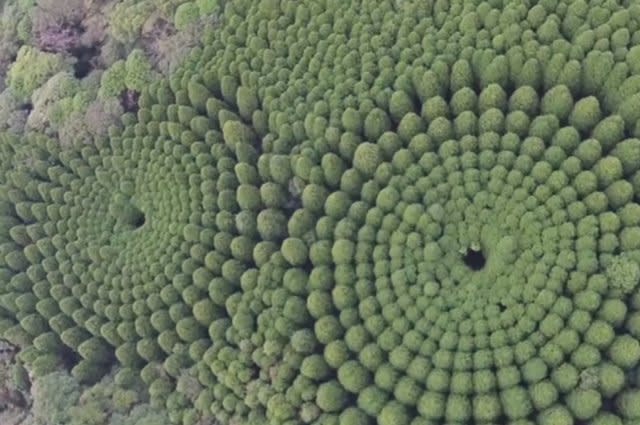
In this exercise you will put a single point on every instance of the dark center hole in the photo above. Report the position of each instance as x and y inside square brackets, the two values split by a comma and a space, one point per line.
[84, 63]
[138, 221]
[129, 100]
[132, 216]
[474, 259]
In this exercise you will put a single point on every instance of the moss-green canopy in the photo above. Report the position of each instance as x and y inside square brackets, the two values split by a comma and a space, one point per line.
[340, 212]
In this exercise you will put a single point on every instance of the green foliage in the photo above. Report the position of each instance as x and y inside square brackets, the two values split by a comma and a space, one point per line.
[353, 376]
[584, 403]
[625, 351]
[207, 7]
[48, 98]
[133, 73]
[586, 114]
[557, 101]
[32, 68]
[331, 397]
[112, 82]
[295, 251]
[127, 18]
[143, 414]
[367, 158]
[59, 398]
[186, 14]
[623, 273]
[339, 213]
[95, 350]
[138, 72]
[54, 395]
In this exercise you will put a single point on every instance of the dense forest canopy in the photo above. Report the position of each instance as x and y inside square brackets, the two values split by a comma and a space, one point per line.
[336, 212]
